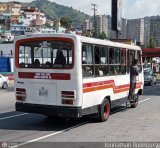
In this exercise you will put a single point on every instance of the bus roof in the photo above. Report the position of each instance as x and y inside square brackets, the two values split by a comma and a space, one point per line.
[82, 39]
[108, 43]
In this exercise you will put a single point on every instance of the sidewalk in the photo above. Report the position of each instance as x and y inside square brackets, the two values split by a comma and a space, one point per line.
[11, 83]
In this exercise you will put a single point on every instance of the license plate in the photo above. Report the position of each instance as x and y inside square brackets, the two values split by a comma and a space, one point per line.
[43, 92]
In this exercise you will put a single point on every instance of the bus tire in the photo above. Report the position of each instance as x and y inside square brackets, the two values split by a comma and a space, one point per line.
[134, 103]
[104, 110]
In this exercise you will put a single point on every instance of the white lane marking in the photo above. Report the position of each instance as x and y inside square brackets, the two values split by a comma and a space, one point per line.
[145, 100]
[126, 107]
[13, 116]
[56, 133]
[49, 135]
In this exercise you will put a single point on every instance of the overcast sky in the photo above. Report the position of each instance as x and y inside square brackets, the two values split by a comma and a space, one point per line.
[131, 8]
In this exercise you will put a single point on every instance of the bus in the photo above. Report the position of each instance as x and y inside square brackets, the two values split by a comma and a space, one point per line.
[67, 75]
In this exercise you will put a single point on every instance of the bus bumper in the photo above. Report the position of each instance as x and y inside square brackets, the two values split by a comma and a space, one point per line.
[61, 111]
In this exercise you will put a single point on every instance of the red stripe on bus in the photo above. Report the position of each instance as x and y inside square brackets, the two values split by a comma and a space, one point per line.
[61, 76]
[38, 75]
[89, 87]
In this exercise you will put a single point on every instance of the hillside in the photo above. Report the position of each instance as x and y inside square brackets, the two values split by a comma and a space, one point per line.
[54, 10]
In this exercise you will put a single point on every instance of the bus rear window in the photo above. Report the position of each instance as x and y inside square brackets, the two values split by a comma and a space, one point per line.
[45, 54]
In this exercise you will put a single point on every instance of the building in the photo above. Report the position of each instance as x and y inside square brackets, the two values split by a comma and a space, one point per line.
[33, 17]
[123, 32]
[154, 31]
[17, 28]
[2, 24]
[16, 20]
[87, 25]
[15, 9]
[146, 30]
[135, 30]
[3, 7]
[101, 24]
[105, 25]
[9, 13]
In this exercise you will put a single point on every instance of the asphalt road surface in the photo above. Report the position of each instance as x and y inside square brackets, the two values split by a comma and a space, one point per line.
[141, 124]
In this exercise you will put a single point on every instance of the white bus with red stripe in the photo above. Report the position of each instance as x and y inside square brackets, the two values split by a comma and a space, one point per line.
[71, 76]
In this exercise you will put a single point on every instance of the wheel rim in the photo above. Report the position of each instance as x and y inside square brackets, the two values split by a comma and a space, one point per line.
[106, 110]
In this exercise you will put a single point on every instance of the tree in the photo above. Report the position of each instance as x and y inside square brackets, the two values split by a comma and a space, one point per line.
[66, 22]
[102, 36]
[151, 43]
[47, 24]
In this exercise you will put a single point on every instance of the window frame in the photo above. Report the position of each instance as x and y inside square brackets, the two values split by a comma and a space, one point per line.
[108, 66]
[19, 42]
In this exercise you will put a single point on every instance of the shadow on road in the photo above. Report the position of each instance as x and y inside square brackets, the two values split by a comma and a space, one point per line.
[35, 122]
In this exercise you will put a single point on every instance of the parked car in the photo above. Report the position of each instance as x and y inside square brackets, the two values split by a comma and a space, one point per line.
[4, 82]
[147, 66]
[150, 77]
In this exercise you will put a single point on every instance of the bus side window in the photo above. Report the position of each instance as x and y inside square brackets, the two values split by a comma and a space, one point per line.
[101, 60]
[115, 61]
[87, 57]
[87, 71]
[111, 61]
[111, 56]
[130, 58]
[123, 61]
[87, 61]
[97, 55]
[128, 66]
[117, 70]
[138, 56]
[117, 56]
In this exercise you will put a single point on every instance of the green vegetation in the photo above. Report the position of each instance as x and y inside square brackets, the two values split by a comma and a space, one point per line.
[152, 43]
[66, 22]
[53, 11]
[47, 24]
[102, 36]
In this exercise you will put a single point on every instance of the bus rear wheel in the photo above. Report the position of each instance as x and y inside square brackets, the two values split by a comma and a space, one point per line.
[104, 110]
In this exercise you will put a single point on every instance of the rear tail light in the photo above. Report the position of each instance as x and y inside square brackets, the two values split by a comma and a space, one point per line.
[21, 94]
[68, 94]
[68, 101]
[68, 97]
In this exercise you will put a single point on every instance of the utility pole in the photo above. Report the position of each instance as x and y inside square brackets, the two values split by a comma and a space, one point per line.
[94, 8]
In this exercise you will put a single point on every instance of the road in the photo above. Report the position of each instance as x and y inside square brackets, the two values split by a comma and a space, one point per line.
[124, 124]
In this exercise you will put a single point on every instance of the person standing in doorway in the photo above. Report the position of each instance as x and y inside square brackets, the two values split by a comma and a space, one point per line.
[134, 72]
